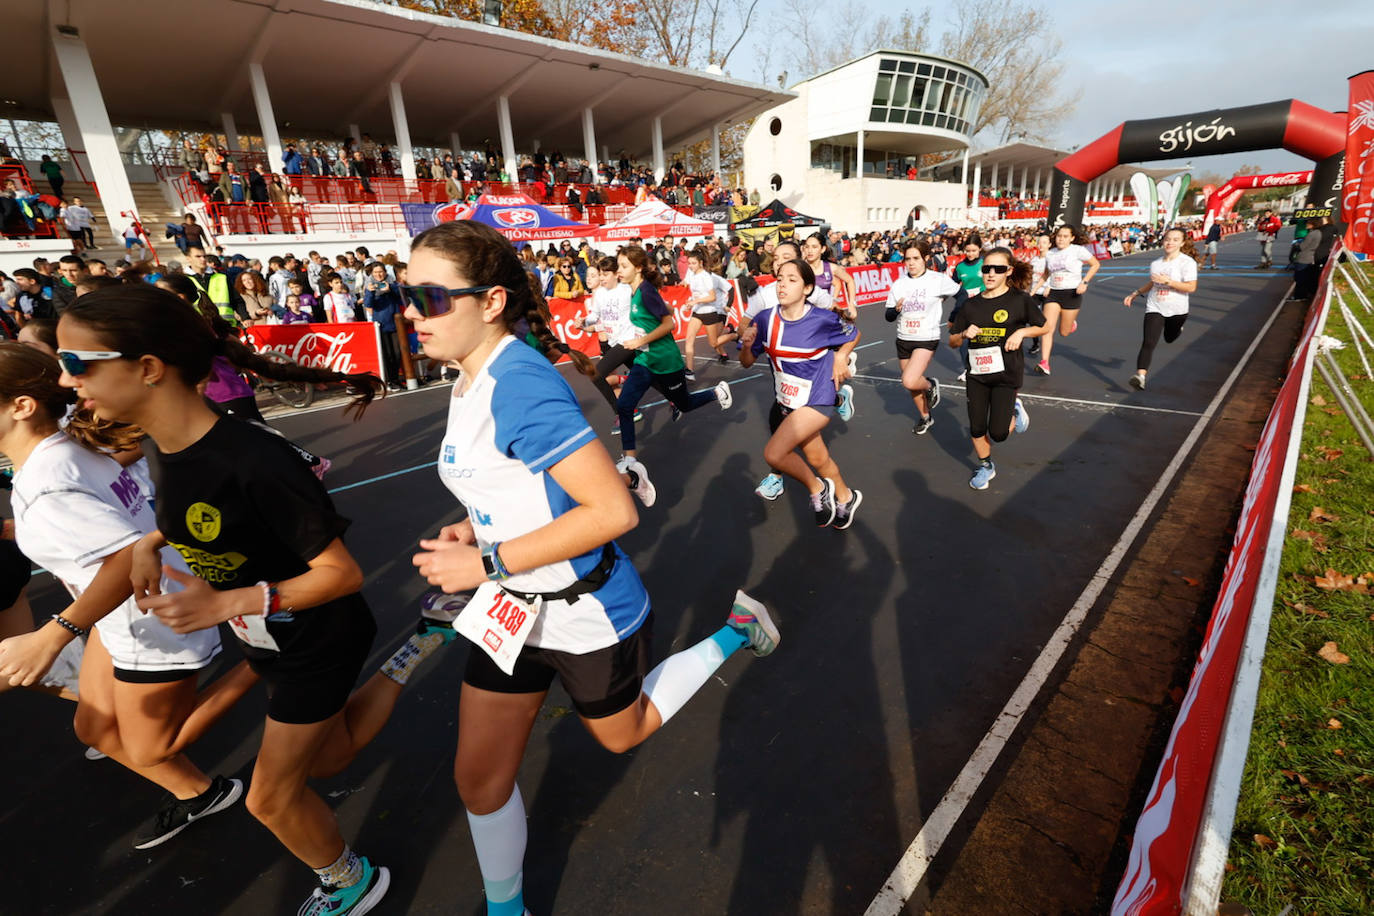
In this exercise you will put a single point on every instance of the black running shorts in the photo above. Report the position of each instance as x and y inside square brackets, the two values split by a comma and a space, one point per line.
[601, 683]
[709, 317]
[907, 347]
[1067, 299]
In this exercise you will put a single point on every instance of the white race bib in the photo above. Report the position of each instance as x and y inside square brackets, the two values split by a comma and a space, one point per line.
[498, 623]
[985, 361]
[1063, 279]
[791, 392]
[251, 630]
[916, 323]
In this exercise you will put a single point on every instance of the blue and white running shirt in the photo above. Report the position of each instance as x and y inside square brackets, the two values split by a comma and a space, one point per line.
[517, 419]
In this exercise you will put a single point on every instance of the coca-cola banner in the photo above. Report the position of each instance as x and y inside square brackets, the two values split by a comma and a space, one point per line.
[1357, 195]
[355, 346]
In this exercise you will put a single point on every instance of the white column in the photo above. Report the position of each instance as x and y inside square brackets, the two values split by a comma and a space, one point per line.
[1025, 174]
[977, 184]
[355, 134]
[1038, 173]
[231, 130]
[993, 183]
[859, 158]
[589, 144]
[1120, 194]
[659, 167]
[402, 128]
[715, 148]
[507, 136]
[93, 124]
[863, 209]
[964, 177]
[71, 133]
[266, 119]
[455, 146]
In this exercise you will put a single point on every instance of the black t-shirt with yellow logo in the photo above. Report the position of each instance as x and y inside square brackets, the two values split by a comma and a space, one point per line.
[997, 318]
[241, 507]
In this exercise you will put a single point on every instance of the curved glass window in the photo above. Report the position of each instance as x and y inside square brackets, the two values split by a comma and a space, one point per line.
[933, 95]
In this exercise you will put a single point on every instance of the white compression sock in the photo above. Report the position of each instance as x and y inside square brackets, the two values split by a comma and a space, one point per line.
[678, 677]
[500, 841]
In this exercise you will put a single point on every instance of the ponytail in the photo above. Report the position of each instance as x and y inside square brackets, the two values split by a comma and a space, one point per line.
[101, 435]
[540, 323]
[363, 386]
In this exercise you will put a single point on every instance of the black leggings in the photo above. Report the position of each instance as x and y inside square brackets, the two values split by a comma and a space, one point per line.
[613, 357]
[1154, 324]
[990, 409]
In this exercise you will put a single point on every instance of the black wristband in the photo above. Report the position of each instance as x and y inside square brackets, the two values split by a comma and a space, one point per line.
[70, 627]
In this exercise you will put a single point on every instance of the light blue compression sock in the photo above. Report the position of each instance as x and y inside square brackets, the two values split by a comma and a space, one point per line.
[500, 841]
[678, 677]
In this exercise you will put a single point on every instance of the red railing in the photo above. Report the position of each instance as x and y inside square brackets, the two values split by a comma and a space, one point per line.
[14, 170]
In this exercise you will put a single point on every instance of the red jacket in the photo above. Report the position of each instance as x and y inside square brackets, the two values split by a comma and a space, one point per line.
[1270, 226]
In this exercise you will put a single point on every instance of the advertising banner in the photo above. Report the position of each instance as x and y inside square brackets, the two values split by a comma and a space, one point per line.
[1357, 194]
[355, 346]
[718, 213]
[872, 281]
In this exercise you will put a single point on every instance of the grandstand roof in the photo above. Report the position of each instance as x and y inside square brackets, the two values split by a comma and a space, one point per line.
[172, 64]
[1033, 156]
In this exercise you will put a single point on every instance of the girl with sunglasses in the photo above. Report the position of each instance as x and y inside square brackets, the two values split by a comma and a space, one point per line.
[994, 324]
[556, 597]
[808, 350]
[264, 543]
[80, 514]
[1066, 283]
[916, 302]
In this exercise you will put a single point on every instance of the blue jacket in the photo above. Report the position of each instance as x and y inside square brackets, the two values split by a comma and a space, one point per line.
[384, 304]
[291, 162]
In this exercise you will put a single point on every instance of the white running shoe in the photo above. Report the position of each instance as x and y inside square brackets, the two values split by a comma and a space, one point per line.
[723, 395]
[1137, 382]
[1022, 421]
[640, 483]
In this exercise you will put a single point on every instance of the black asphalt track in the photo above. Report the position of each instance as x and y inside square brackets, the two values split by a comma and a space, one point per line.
[789, 784]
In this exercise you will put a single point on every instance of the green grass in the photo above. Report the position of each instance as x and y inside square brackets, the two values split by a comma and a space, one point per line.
[1304, 829]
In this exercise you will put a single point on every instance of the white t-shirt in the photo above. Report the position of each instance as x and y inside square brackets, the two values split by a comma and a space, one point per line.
[920, 300]
[1163, 300]
[338, 307]
[72, 509]
[702, 284]
[1037, 271]
[609, 309]
[1066, 266]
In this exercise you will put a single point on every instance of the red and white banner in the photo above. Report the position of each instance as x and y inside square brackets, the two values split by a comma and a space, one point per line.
[355, 346]
[1357, 194]
[872, 281]
[1164, 849]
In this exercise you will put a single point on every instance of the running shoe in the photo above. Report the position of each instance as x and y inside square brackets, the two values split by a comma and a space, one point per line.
[823, 503]
[350, 901]
[1074, 329]
[752, 619]
[1137, 382]
[321, 467]
[1034, 345]
[963, 374]
[853, 363]
[176, 815]
[94, 754]
[691, 376]
[437, 613]
[674, 412]
[923, 425]
[844, 512]
[723, 396]
[933, 395]
[770, 487]
[845, 408]
[1043, 367]
[983, 476]
[1022, 421]
[615, 427]
[722, 358]
[640, 483]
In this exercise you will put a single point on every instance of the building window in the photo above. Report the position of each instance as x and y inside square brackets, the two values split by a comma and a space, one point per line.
[775, 126]
[882, 90]
[775, 182]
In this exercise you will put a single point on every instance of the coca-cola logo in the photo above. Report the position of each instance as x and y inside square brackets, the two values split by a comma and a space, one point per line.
[318, 350]
[1185, 136]
[517, 218]
[1283, 181]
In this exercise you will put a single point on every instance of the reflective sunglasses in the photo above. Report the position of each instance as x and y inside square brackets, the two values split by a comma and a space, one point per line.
[433, 301]
[995, 268]
[74, 362]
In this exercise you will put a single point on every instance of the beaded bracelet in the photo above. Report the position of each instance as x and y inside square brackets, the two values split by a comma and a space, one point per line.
[70, 627]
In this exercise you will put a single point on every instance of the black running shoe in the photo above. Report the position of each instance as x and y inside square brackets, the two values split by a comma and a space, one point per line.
[933, 395]
[923, 425]
[177, 815]
[844, 512]
[823, 503]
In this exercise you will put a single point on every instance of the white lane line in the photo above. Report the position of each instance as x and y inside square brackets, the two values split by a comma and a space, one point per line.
[911, 868]
[1110, 405]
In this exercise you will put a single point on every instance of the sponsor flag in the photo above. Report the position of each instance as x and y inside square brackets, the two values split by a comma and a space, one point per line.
[1357, 194]
[1144, 190]
[1180, 191]
[1164, 200]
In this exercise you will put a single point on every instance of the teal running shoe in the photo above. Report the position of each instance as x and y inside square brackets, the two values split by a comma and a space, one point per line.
[751, 618]
[349, 901]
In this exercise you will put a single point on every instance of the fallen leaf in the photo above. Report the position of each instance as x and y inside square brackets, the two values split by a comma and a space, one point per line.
[1318, 514]
[1365, 780]
[1191, 581]
[1264, 842]
[1332, 411]
[1302, 488]
[1330, 653]
[1318, 400]
[1338, 752]
[1333, 723]
[1330, 454]
[1334, 581]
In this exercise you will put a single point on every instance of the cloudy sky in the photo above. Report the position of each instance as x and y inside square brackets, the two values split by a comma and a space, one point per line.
[1194, 56]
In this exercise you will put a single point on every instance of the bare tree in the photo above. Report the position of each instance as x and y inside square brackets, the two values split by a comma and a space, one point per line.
[1014, 45]
[865, 29]
[695, 33]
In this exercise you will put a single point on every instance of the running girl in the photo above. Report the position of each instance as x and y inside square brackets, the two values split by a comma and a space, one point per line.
[608, 310]
[657, 364]
[801, 341]
[817, 256]
[994, 324]
[544, 505]
[916, 302]
[709, 293]
[265, 544]
[1172, 278]
[1066, 284]
[80, 514]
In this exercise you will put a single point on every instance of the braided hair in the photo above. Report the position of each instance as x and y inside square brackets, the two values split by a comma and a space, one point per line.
[486, 258]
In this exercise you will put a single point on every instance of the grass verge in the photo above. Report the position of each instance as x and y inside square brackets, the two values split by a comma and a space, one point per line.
[1304, 829]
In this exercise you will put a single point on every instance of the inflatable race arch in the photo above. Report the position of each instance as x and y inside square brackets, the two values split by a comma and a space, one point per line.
[1223, 199]
[1293, 125]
